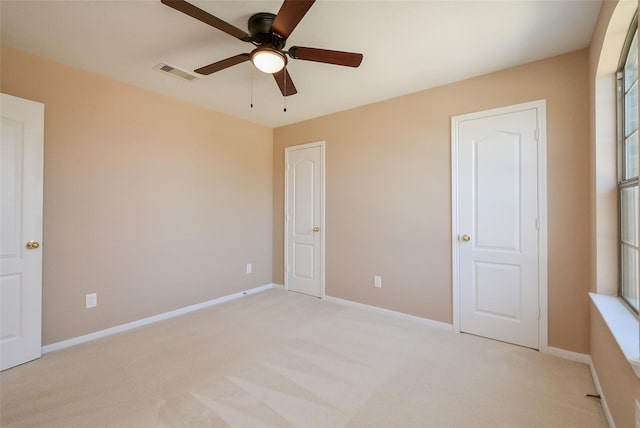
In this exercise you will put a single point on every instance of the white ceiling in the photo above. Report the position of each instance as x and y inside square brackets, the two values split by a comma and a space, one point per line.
[408, 46]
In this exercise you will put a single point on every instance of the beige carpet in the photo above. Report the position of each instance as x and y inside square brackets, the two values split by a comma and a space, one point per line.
[288, 360]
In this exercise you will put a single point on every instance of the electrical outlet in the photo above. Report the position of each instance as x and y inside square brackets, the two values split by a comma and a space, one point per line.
[377, 281]
[91, 300]
[249, 268]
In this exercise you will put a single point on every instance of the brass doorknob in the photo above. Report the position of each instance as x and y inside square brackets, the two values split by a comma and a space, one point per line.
[316, 229]
[466, 238]
[32, 245]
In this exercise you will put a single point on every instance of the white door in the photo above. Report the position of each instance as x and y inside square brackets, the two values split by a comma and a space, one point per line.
[304, 215]
[21, 161]
[498, 225]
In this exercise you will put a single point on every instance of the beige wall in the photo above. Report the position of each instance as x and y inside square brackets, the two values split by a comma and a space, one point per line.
[388, 186]
[619, 383]
[152, 203]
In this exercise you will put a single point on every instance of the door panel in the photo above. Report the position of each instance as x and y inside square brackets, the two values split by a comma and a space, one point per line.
[304, 256]
[497, 290]
[498, 210]
[12, 290]
[304, 213]
[304, 182]
[21, 157]
[497, 166]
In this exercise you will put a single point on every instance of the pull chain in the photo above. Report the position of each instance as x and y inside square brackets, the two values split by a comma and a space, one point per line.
[284, 76]
[251, 65]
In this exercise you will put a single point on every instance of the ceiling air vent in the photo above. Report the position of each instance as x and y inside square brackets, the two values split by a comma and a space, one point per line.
[176, 72]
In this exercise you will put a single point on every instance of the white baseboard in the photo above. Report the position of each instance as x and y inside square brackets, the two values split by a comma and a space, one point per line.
[603, 401]
[569, 355]
[149, 320]
[425, 321]
[586, 359]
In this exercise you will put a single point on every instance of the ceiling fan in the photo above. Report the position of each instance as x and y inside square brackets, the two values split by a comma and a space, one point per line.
[268, 33]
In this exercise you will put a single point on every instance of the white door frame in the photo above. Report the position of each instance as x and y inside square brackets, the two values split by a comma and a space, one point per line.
[320, 144]
[540, 106]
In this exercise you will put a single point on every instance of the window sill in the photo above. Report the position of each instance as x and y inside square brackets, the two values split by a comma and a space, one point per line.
[623, 326]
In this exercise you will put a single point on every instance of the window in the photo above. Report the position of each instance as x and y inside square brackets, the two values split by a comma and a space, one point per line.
[628, 167]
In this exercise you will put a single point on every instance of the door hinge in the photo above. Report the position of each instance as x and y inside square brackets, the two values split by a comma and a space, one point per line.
[536, 134]
[537, 223]
[539, 314]
[286, 268]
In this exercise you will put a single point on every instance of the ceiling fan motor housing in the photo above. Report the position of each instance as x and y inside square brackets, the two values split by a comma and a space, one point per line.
[260, 30]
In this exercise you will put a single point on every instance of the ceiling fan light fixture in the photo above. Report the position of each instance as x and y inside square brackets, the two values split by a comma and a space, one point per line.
[268, 60]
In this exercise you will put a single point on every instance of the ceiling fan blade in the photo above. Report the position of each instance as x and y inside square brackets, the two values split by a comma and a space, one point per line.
[207, 18]
[289, 15]
[326, 56]
[221, 65]
[290, 88]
